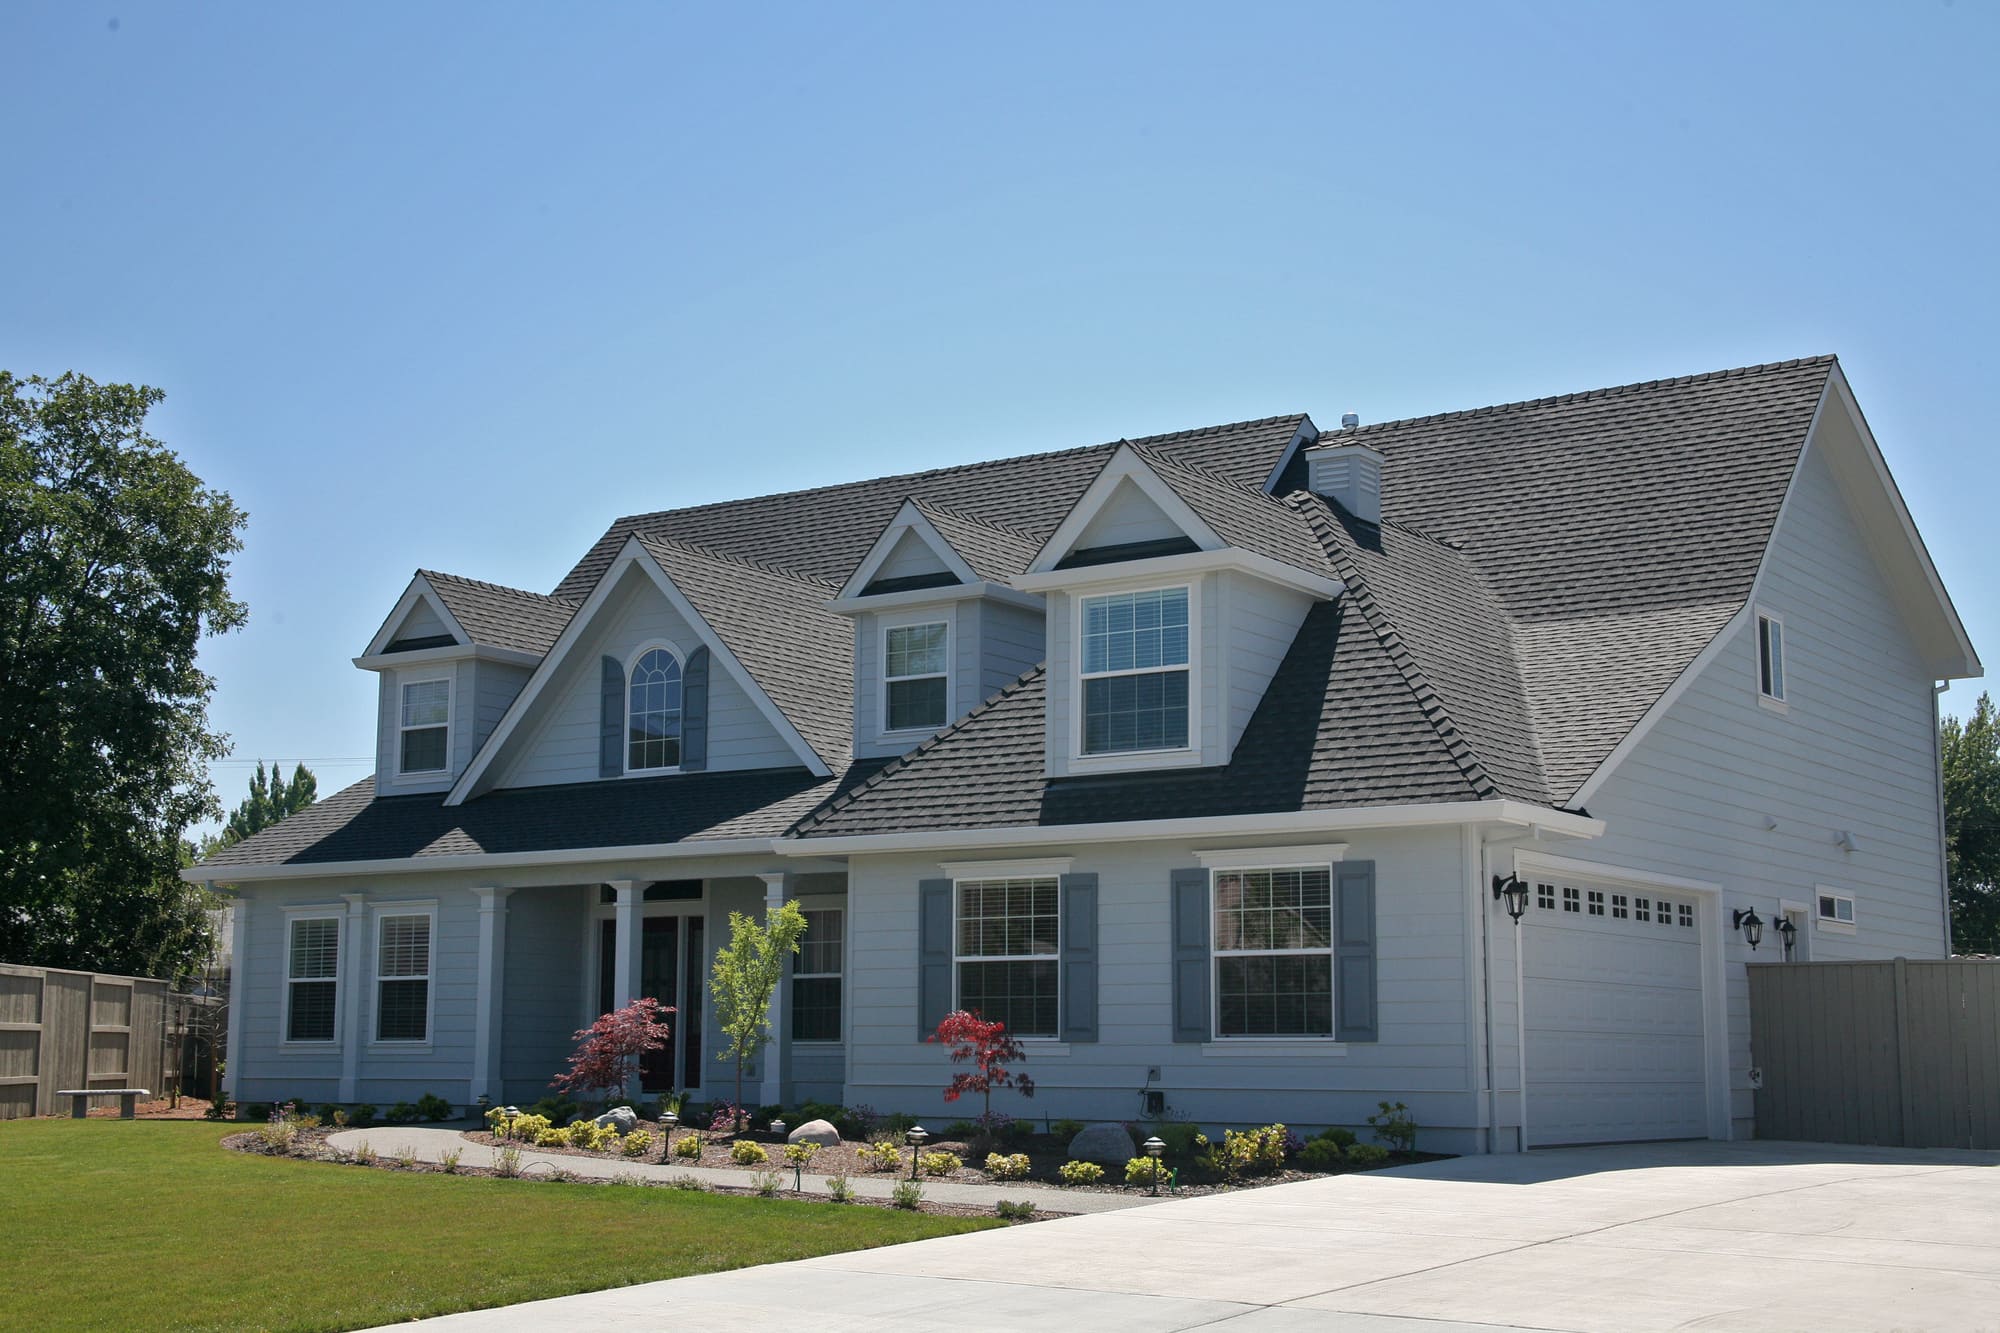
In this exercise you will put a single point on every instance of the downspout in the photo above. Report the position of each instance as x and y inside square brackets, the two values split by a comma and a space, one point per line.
[1487, 870]
[1944, 835]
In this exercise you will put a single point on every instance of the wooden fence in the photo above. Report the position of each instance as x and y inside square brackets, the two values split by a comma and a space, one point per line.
[1892, 1052]
[62, 1029]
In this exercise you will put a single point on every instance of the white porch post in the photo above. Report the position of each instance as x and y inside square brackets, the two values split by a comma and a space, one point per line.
[353, 962]
[492, 965]
[778, 1054]
[625, 954]
[239, 998]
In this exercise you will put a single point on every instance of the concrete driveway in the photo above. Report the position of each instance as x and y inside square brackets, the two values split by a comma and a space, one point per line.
[1664, 1236]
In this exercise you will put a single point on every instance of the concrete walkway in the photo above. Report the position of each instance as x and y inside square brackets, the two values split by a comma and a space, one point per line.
[1669, 1236]
[428, 1143]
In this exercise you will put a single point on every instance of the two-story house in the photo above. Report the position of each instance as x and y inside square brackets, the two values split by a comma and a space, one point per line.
[1198, 759]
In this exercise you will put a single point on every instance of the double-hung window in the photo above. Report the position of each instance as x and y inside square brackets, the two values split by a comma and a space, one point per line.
[403, 976]
[1771, 658]
[1135, 671]
[1008, 937]
[312, 978]
[425, 726]
[653, 713]
[1273, 952]
[816, 978]
[914, 676]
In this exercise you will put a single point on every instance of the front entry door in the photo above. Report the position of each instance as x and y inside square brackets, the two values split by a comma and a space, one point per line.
[671, 969]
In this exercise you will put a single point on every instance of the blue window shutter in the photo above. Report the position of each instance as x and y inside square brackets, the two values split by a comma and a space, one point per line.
[1354, 951]
[1191, 963]
[694, 712]
[1079, 958]
[611, 720]
[934, 988]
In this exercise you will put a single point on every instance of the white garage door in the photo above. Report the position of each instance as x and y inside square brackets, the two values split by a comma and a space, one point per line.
[1614, 1015]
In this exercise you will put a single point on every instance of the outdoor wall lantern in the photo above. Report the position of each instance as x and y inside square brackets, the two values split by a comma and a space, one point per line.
[1751, 925]
[1788, 931]
[917, 1136]
[1154, 1148]
[1514, 890]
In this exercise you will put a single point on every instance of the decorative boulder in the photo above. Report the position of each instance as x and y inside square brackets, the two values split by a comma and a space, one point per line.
[1107, 1145]
[621, 1118]
[815, 1131]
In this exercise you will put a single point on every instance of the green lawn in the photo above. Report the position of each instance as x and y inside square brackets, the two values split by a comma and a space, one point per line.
[116, 1224]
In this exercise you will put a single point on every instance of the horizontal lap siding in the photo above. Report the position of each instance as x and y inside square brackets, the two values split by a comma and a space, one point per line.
[1421, 1058]
[543, 984]
[1263, 620]
[1012, 641]
[1853, 752]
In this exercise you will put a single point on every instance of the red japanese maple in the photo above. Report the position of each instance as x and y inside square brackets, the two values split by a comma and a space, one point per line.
[990, 1050]
[608, 1052]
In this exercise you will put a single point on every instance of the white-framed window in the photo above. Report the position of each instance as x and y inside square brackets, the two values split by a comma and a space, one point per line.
[423, 742]
[1135, 678]
[653, 711]
[1272, 951]
[1007, 940]
[312, 978]
[1770, 657]
[403, 939]
[1835, 910]
[915, 676]
[816, 976]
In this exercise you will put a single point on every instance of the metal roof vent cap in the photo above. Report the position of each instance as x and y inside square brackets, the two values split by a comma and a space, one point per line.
[1350, 421]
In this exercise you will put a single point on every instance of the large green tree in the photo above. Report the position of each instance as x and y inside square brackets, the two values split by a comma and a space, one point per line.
[114, 564]
[1971, 754]
[271, 798]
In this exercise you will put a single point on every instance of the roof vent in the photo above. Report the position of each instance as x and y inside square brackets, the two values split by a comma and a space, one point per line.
[1350, 475]
[1350, 421]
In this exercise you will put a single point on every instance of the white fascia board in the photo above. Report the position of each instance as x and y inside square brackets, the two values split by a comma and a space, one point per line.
[420, 589]
[1124, 465]
[1181, 566]
[908, 519]
[451, 653]
[667, 851]
[1548, 822]
[1306, 434]
[1044, 867]
[951, 592]
[1265, 858]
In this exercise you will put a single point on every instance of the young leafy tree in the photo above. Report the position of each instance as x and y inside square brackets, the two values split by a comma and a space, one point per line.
[114, 565]
[271, 800]
[986, 1045]
[1971, 755]
[745, 977]
[609, 1051]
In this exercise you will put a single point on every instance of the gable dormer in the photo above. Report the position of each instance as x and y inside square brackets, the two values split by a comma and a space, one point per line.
[935, 630]
[1172, 597]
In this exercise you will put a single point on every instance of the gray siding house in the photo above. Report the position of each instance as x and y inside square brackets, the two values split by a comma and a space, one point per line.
[1199, 759]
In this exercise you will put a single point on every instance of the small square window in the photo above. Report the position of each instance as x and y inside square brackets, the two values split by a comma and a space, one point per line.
[1597, 902]
[1837, 908]
[1572, 900]
[1642, 909]
[1687, 915]
[1545, 897]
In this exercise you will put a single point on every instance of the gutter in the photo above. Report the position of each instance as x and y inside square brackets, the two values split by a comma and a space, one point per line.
[664, 851]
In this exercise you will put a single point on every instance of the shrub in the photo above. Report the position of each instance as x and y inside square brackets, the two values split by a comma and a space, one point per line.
[1015, 1212]
[1395, 1127]
[1080, 1173]
[402, 1113]
[448, 1159]
[328, 1111]
[1066, 1129]
[688, 1147]
[430, 1106]
[883, 1156]
[726, 1117]
[907, 1194]
[592, 1137]
[556, 1110]
[765, 1182]
[960, 1130]
[896, 1124]
[798, 1154]
[363, 1154]
[746, 1153]
[552, 1138]
[277, 1134]
[1179, 1136]
[1248, 1150]
[1343, 1138]
[938, 1163]
[857, 1122]
[406, 1157]
[361, 1116]
[636, 1143]
[840, 1188]
[608, 1052]
[522, 1128]
[1367, 1154]
[1321, 1155]
[507, 1162]
[1144, 1171]
[693, 1184]
[1007, 1168]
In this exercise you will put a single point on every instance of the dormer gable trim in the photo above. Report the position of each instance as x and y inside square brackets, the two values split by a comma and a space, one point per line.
[1124, 466]
[420, 591]
[1189, 565]
[1304, 437]
[950, 592]
[632, 555]
[912, 520]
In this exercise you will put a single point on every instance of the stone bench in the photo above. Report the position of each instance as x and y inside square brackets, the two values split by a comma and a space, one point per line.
[128, 1100]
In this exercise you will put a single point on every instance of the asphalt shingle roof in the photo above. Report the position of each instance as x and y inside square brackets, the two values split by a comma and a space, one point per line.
[994, 553]
[502, 617]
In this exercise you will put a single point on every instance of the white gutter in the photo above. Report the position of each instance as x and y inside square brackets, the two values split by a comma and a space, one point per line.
[1557, 823]
[662, 851]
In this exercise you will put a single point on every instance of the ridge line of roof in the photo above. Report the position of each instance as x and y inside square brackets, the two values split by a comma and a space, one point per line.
[961, 516]
[650, 540]
[1584, 395]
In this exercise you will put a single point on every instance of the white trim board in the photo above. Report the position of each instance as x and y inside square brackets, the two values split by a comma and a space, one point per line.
[1123, 465]
[908, 518]
[419, 589]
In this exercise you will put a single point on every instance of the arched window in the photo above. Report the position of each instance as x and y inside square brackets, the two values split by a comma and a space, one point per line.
[653, 713]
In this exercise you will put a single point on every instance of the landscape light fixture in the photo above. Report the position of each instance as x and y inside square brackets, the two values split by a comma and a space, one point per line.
[778, 1126]
[1751, 925]
[1788, 931]
[667, 1122]
[1514, 891]
[1154, 1148]
[917, 1136]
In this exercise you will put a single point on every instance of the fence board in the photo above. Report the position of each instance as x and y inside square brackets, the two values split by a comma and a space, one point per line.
[61, 1029]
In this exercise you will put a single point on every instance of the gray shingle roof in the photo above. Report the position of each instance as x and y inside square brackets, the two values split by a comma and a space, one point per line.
[502, 617]
[1244, 516]
[995, 553]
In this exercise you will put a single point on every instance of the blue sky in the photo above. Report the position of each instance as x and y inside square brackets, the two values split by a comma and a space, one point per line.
[454, 286]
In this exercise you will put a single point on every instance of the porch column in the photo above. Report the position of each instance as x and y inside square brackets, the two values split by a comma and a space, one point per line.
[239, 997]
[625, 954]
[778, 1054]
[492, 966]
[354, 963]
